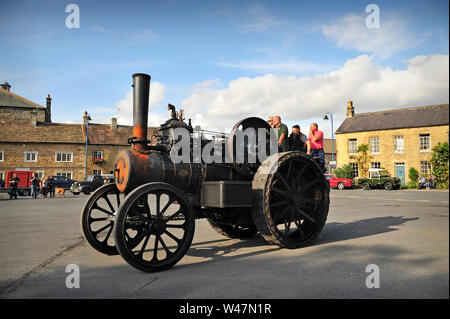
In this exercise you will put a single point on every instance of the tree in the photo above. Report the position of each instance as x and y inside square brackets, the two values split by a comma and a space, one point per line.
[363, 159]
[439, 161]
[413, 175]
[344, 171]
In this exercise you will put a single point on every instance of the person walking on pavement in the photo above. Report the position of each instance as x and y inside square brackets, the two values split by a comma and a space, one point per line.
[13, 183]
[34, 186]
[51, 186]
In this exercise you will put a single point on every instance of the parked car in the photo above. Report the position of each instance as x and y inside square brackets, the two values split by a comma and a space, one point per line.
[62, 181]
[379, 178]
[340, 183]
[90, 183]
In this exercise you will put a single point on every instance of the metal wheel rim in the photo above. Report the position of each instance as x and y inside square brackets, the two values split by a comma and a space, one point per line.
[157, 228]
[101, 203]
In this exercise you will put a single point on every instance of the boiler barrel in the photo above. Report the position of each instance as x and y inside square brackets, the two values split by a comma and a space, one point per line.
[134, 169]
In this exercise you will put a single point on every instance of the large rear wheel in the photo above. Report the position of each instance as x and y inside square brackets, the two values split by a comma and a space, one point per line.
[291, 199]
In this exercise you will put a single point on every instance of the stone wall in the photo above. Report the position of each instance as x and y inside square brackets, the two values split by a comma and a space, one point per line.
[21, 114]
[14, 157]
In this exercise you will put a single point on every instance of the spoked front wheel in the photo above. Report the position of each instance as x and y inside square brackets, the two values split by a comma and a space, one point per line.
[97, 218]
[154, 227]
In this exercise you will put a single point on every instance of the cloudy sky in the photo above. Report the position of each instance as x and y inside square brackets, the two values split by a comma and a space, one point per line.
[222, 61]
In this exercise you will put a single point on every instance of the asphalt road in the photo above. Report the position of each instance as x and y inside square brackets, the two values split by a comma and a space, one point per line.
[405, 233]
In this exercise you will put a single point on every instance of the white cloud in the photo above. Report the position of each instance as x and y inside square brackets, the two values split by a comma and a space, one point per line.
[393, 36]
[425, 80]
[125, 107]
[283, 66]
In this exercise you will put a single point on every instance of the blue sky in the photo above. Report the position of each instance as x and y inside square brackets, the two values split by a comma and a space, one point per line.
[223, 60]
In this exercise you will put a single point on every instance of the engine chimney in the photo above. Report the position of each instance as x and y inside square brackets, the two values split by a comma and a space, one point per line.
[141, 89]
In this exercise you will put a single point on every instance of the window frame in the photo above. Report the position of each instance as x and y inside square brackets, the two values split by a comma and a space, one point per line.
[373, 166]
[354, 168]
[97, 170]
[2, 156]
[396, 138]
[421, 164]
[355, 141]
[102, 154]
[377, 138]
[61, 153]
[30, 153]
[425, 150]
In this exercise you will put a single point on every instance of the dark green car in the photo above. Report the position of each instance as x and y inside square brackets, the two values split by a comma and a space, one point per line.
[379, 178]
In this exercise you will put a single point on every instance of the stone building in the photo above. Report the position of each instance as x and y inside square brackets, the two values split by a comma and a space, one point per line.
[398, 139]
[30, 141]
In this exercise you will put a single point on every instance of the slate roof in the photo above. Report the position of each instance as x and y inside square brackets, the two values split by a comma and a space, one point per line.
[13, 100]
[58, 133]
[432, 115]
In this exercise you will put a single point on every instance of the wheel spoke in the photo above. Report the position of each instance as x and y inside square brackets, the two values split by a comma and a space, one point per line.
[141, 252]
[107, 236]
[182, 226]
[171, 200]
[173, 216]
[279, 191]
[164, 246]
[283, 213]
[173, 237]
[109, 203]
[136, 239]
[299, 228]
[283, 202]
[297, 179]
[306, 215]
[98, 231]
[158, 204]
[280, 177]
[155, 249]
[95, 206]
[92, 220]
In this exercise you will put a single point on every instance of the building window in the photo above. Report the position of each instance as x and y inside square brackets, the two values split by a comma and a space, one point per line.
[352, 146]
[97, 172]
[425, 168]
[31, 156]
[40, 174]
[375, 165]
[354, 167]
[63, 157]
[66, 174]
[424, 142]
[2, 156]
[97, 154]
[374, 143]
[2, 175]
[399, 144]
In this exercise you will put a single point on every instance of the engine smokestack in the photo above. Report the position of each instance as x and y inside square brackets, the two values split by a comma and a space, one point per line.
[141, 90]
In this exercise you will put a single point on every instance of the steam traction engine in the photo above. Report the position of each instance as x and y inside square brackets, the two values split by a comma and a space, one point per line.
[148, 215]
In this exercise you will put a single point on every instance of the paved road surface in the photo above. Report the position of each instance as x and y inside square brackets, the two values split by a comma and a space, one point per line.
[405, 233]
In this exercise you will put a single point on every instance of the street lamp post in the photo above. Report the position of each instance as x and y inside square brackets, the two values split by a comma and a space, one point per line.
[332, 133]
[87, 118]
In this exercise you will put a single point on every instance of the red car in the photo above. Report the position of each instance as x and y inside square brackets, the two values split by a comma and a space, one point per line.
[340, 183]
